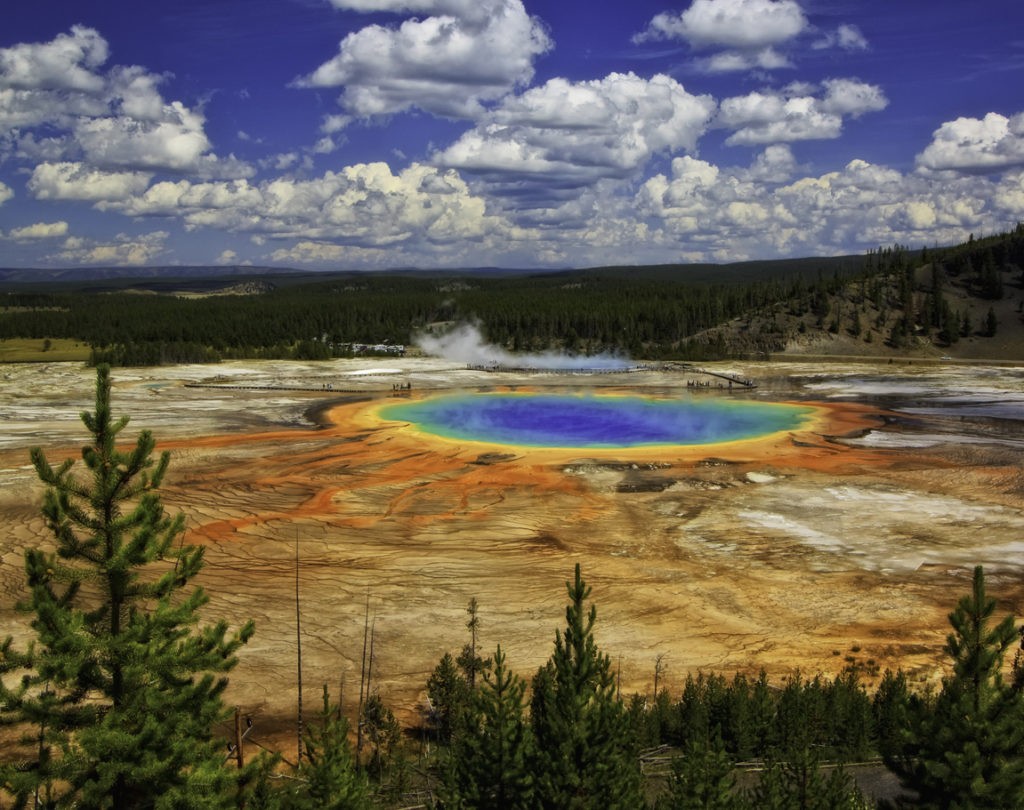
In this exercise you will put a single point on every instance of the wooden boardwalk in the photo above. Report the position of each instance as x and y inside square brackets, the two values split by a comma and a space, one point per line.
[564, 371]
[733, 380]
[323, 389]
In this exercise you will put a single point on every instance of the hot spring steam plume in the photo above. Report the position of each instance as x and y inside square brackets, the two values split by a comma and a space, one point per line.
[465, 344]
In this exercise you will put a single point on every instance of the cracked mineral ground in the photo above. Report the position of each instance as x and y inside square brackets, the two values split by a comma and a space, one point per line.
[846, 541]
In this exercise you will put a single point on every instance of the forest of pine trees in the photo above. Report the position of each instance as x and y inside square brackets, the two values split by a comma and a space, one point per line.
[657, 313]
[579, 312]
[116, 701]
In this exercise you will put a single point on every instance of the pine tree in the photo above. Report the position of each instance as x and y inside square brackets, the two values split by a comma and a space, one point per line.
[702, 779]
[328, 770]
[850, 719]
[469, 662]
[584, 755]
[966, 326]
[450, 694]
[491, 760]
[991, 323]
[121, 688]
[949, 324]
[763, 713]
[694, 718]
[991, 280]
[890, 706]
[967, 750]
[382, 732]
[796, 782]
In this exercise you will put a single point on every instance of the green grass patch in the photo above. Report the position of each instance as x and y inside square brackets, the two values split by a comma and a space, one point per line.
[56, 350]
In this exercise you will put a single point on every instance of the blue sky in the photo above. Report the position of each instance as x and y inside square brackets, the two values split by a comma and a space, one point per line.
[368, 134]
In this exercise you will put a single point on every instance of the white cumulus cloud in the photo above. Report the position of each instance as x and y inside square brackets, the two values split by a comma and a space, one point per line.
[310, 252]
[988, 144]
[739, 24]
[733, 61]
[227, 257]
[795, 113]
[473, 10]
[717, 212]
[76, 181]
[567, 135]
[776, 164]
[364, 204]
[449, 63]
[5, 193]
[846, 36]
[124, 250]
[40, 230]
[177, 142]
[58, 101]
[20, 109]
[68, 62]
[747, 33]
[852, 97]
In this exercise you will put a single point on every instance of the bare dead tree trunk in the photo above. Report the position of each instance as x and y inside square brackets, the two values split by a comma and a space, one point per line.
[659, 668]
[618, 680]
[239, 755]
[472, 624]
[369, 664]
[362, 683]
[298, 648]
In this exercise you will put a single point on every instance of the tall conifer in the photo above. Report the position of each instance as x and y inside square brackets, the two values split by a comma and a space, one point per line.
[491, 758]
[450, 696]
[121, 688]
[967, 749]
[797, 782]
[585, 758]
[702, 779]
[327, 774]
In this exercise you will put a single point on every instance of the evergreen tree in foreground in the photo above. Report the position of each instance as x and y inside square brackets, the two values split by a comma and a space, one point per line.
[450, 695]
[584, 755]
[121, 687]
[328, 771]
[798, 782]
[490, 759]
[702, 779]
[967, 749]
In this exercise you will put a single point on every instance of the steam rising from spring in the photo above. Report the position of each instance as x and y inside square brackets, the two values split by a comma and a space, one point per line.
[465, 344]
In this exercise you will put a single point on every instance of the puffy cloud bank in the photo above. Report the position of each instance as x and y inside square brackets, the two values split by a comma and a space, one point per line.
[624, 168]
[740, 24]
[124, 249]
[766, 210]
[568, 135]
[107, 119]
[745, 35]
[989, 144]
[796, 113]
[448, 63]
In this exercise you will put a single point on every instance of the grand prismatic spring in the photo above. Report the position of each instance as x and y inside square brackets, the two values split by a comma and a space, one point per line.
[841, 532]
[575, 421]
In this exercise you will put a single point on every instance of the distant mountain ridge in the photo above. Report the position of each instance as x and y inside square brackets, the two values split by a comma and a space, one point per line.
[42, 275]
[699, 273]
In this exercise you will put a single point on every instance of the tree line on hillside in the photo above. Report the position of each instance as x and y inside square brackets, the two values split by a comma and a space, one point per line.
[655, 314]
[581, 312]
[118, 700]
[901, 298]
[980, 268]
